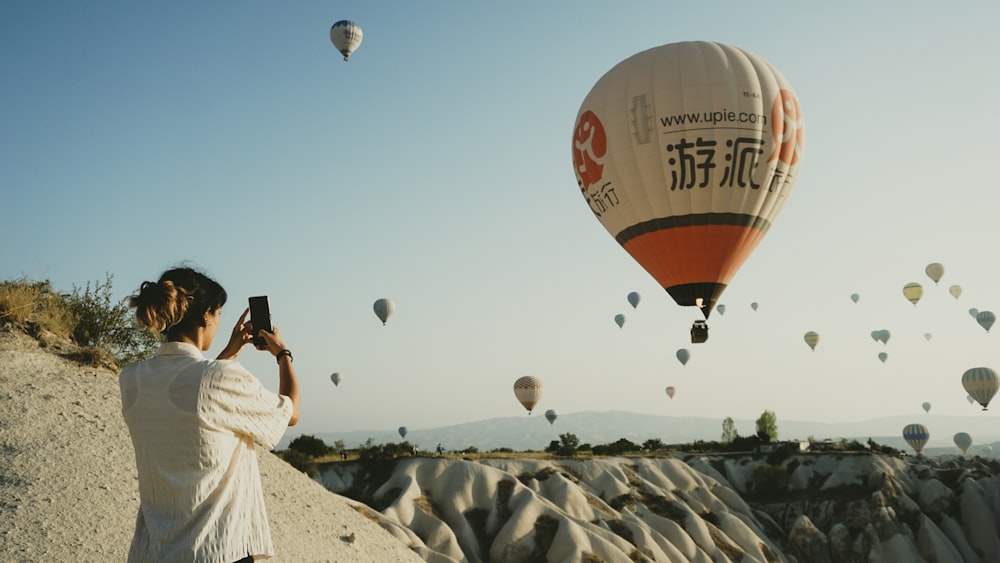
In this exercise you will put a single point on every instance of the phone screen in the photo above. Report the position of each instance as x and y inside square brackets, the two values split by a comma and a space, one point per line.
[260, 318]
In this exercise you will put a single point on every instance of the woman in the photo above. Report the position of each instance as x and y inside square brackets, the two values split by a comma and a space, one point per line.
[193, 424]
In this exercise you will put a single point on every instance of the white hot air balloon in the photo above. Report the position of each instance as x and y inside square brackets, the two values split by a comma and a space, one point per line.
[916, 435]
[528, 391]
[683, 355]
[384, 308]
[346, 36]
[689, 205]
[964, 441]
[671, 390]
[981, 384]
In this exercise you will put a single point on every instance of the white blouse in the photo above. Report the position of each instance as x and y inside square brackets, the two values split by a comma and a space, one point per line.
[193, 424]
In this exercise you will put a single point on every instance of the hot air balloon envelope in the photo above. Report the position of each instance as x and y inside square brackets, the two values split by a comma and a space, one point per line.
[812, 339]
[402, 431]
[981, 384]
[620, 320]
[633, 299]
[528, 391]
[855, 297]
[551, 416]
[670, 391]
[916, 435]
[986, 319]
[883, 356]
[753, 305]
[689, 206]
[934, 271]
[335, 378]
[384, 308]
[913, 291]
[964, 441]
[955, 291]
[683, 355]
[346, 36]
[926, 407]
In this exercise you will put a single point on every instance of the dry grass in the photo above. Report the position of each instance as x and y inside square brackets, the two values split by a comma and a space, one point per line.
[35, 307]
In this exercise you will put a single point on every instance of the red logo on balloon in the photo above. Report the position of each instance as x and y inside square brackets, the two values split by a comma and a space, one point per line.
[789, 128]
[590, 144]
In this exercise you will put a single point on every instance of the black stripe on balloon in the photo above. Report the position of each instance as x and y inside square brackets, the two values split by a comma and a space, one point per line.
[688, 294]
[694, 219]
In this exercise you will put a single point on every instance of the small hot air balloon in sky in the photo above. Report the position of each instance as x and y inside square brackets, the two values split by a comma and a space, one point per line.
[963, 440]
[633, 299]
[812, 339]
[753, 305]
[986, 319]
[689, 208]
[855, 297]
[981, 384]
[551, 416]
[721, 308]
[402, 432]
[913, 291]
[528, 391]
[335, 378]
[883, 356]
[928, 336]
[882, 335]
[926, 407]
[384, 308]
[670, 391]
[620, 320]
[955, 291]
[346, 36]
[683, 355]
[973, 312]
[916, 435]
[934, 271]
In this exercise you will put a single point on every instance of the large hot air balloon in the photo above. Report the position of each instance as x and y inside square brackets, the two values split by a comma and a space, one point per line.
[346, 37]
[964, 441]
[335, 378]
[981, 384]
[551, 416]
[686, 153]
[913, 291]
[955, 291]
[812, 339]
[683, 355]
[528, 391]
[934, 271]
[916, 435]
[402, 432]
[926, 407]
[671, 390]
[985, 319]
[633, 299]
[384, 308]
[619, 320]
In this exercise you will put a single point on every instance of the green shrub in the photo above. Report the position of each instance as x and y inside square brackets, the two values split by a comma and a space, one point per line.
[310, 446]
[109, 325]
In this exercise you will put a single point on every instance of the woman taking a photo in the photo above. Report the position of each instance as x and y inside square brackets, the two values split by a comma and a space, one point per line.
[193, 424]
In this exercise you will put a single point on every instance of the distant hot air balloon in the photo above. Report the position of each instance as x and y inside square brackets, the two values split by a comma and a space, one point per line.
[963, 440]
[955, 291]
[855, 297]
[916, 435]
[619, 320]
[926, 407]
[689, 207]
[670, 391]
[683, 355]
[335, 378]
[528, 391]
[812, 339]
[934, 271]
[384, 308]
[402, 432]
[986, 319]
[346, 37]
[928, 336]
[913, 291]
[753, 305]
[551, 416]
[973, 312]
[633, 299]
[721, 308]
[971, 399]
[883, 356]
[882, 335]
[981, 384]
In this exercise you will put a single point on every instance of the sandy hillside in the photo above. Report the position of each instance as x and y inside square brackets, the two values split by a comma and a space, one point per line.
[68, 489]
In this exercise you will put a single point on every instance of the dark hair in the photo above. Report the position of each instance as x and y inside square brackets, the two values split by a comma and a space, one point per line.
[177, 303]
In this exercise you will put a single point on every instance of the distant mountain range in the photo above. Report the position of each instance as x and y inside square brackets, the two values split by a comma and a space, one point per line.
[533, 432]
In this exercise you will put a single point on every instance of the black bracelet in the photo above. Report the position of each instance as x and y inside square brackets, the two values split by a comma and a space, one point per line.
[284, 353]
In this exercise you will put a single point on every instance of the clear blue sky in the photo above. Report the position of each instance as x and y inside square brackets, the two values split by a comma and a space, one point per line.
[434, 168]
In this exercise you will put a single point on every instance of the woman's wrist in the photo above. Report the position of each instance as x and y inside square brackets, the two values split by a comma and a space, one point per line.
[283, 353]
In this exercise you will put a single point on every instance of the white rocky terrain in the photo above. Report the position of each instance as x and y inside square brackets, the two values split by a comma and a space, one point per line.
[827, 507]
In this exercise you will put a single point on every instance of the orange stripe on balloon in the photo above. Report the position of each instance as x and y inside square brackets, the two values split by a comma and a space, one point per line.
[694, 254]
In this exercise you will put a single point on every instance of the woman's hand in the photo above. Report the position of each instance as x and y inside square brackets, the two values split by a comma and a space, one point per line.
[240, 337]
[273, 341]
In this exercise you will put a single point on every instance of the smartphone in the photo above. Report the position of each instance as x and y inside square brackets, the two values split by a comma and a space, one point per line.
[260, 319]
